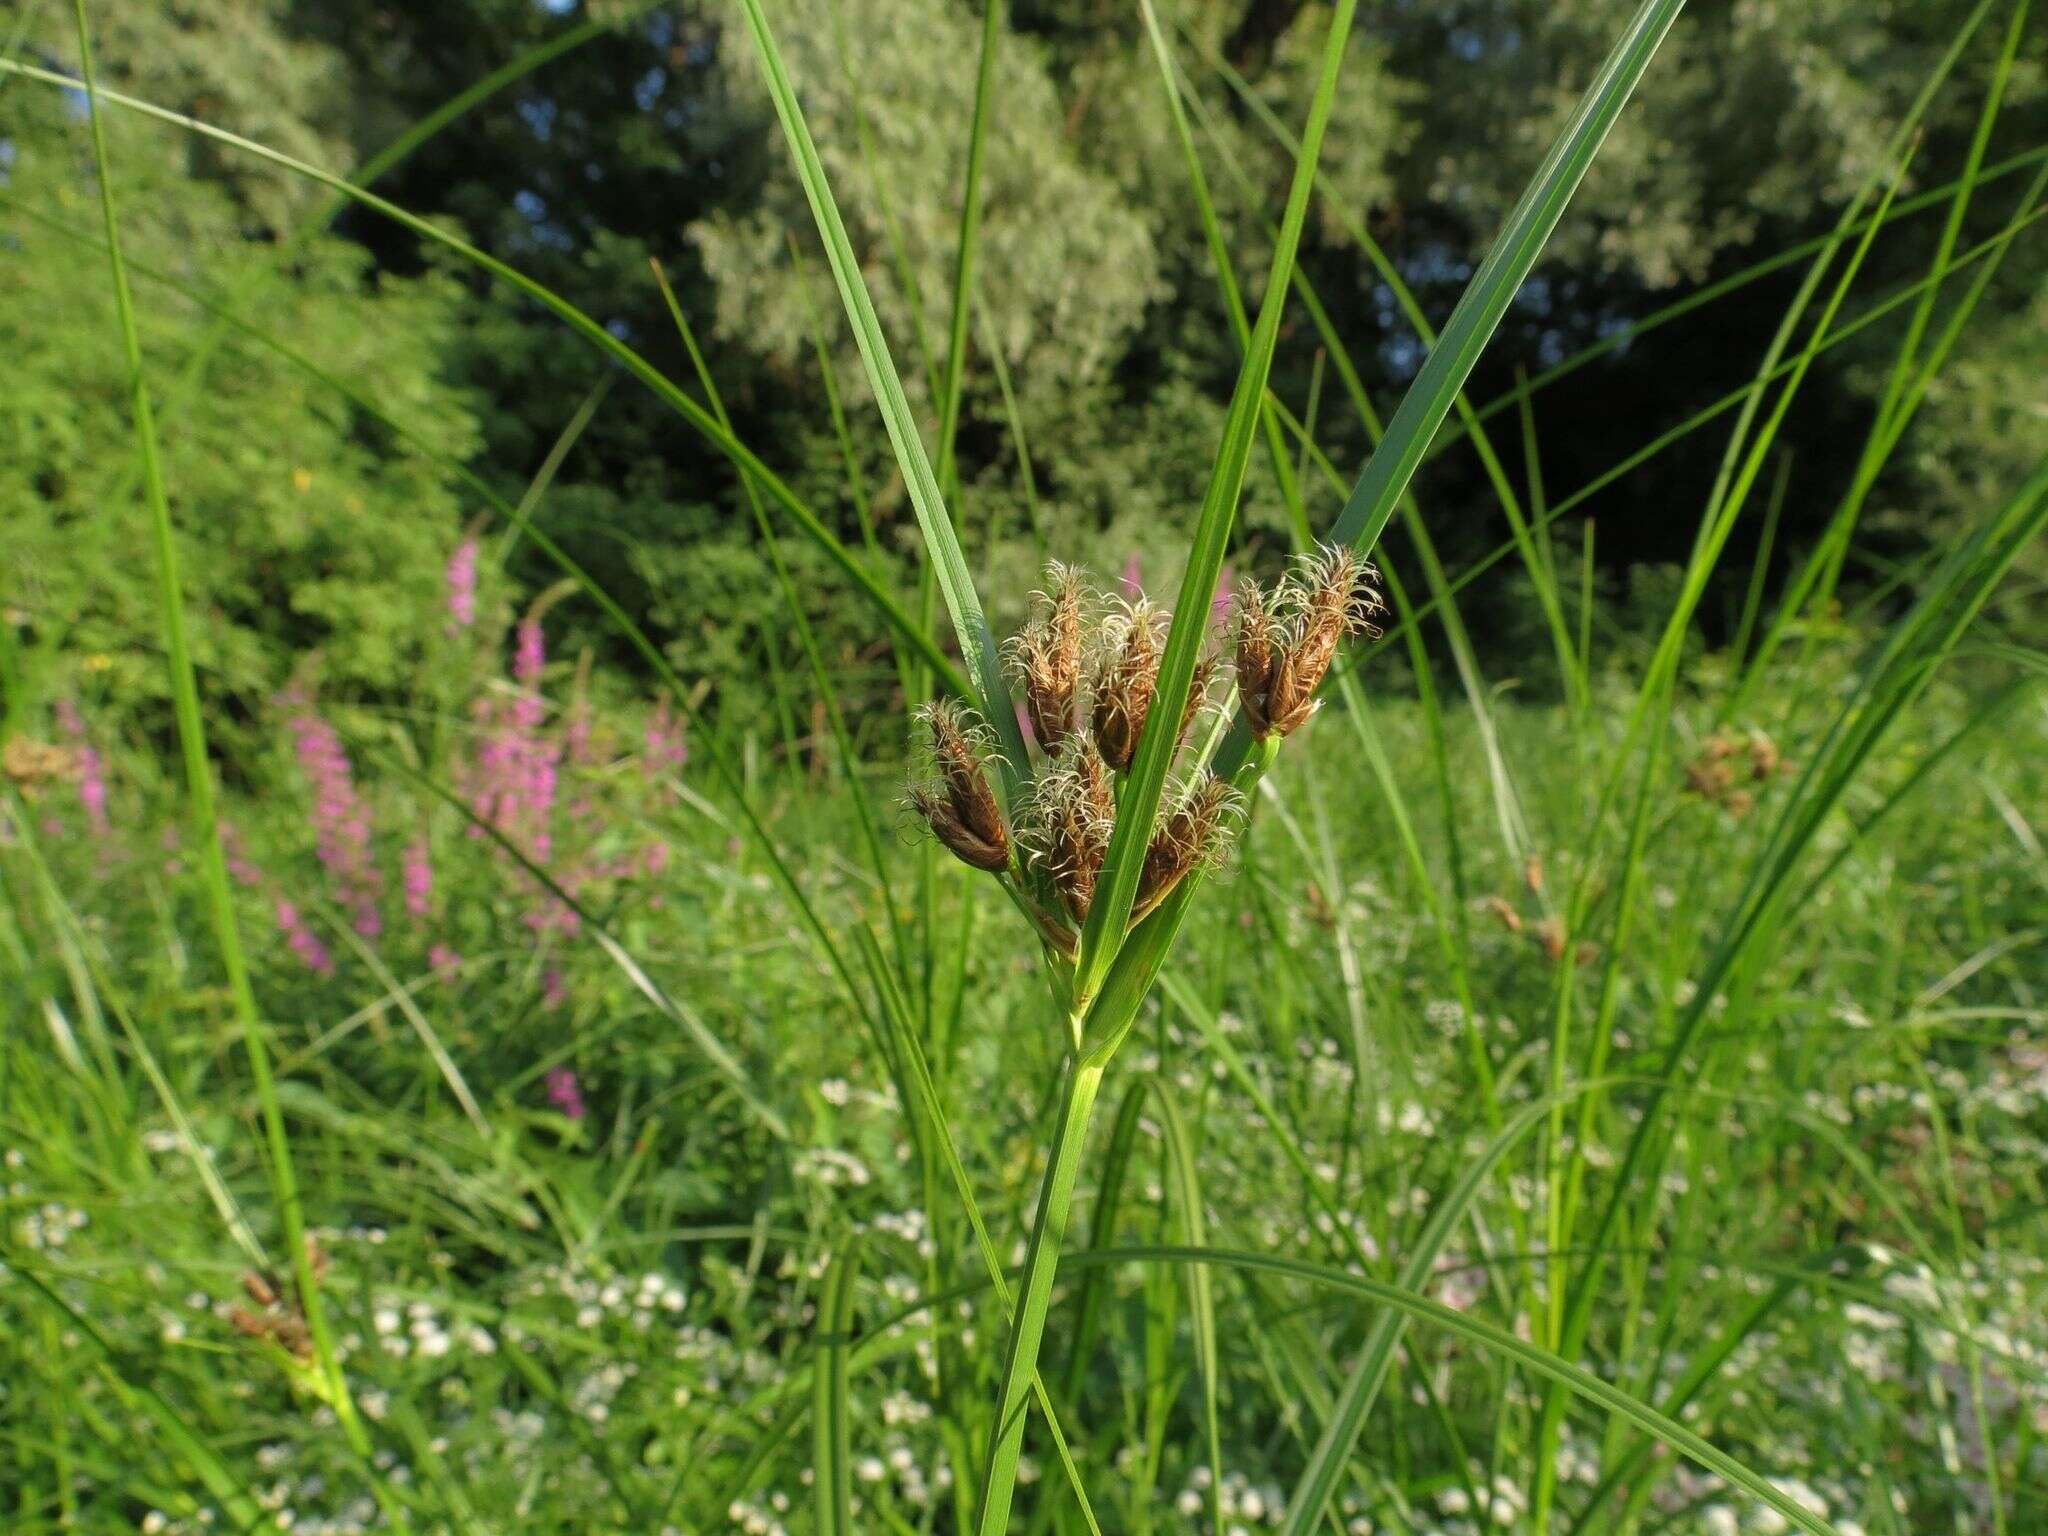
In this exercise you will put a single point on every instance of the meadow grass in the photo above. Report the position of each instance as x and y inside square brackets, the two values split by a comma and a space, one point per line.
[1616, 1115]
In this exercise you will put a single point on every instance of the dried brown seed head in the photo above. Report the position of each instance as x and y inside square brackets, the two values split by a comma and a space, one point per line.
[1193, 834]
[966, 845]
[1126, 678]
[1332, 594]
[1045, 657]
[1710, 777]
[1254, 656]
[958, 804]
[30, 764]
[1067, 832]
[247, 1322]
[1764, 757]
[1510, 919]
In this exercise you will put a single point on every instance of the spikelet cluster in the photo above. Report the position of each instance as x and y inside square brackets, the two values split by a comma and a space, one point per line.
[1728, 764]
[954, 796]
[1087, 670]
[1287, 639]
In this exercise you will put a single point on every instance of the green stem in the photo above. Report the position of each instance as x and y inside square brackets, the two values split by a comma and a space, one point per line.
[1027, 1328]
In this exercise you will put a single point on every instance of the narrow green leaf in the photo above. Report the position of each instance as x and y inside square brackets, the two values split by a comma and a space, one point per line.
[831, 1437]
[991, 694]
[1144, 787]
[1493, 286]
[199, 788]
[1496, 1341]
[1394, 461]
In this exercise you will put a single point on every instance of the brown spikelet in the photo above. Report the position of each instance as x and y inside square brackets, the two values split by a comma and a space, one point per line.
[1254, 657]
[1510, 919]
[1710, 777]
[1198, 697]
[959, 807]
[1045, 656]
[1764, 757]
[31, 764]
[292, 1335]
[1072, 815]
[259, 1288]
[1550, 934]
[1125, 680]
[1192, 834]
[1532, 872]
[249, 1323]
[1334, 597]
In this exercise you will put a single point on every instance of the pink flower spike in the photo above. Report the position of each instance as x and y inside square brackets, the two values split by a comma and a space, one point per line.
[341, 822]
[92, 776]
[531, 654]
[565, 1093]
[302, 941]
[419, 878]
[461, 579]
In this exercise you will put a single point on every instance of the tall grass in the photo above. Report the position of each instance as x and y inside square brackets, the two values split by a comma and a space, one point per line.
[1586, 1193]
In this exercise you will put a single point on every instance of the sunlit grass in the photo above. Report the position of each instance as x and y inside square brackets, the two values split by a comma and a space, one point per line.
[1616, 1115]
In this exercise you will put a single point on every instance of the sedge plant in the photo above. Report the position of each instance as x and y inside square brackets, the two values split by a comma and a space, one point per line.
[1083, 769]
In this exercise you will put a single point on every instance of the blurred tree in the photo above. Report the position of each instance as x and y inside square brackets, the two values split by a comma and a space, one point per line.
[305, 524]
[653, 139]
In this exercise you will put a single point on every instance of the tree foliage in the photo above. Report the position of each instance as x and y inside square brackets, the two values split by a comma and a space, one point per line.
[313, 526]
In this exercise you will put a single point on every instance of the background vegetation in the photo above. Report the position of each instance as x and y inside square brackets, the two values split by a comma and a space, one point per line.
[1639, 961]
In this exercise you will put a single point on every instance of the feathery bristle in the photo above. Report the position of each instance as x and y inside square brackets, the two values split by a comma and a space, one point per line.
[1045, 657]
[1126, 678]
[1068, 827]
[960, 808]
[1192, 835]
[1330, 594]
[1206, 668]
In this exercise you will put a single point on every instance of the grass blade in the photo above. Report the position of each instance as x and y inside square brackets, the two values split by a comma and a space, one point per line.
[831, 1450]
[1486, 299]
[1499, 1342]
[1138, 800]
[205, 819]
[990, 693]
[1421, 412]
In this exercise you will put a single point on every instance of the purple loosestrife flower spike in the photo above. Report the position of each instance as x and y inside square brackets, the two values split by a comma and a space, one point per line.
[419, 878]
[341, 822]
[565, 1093]
[302, 941]
[461, 579]
[92, 776]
